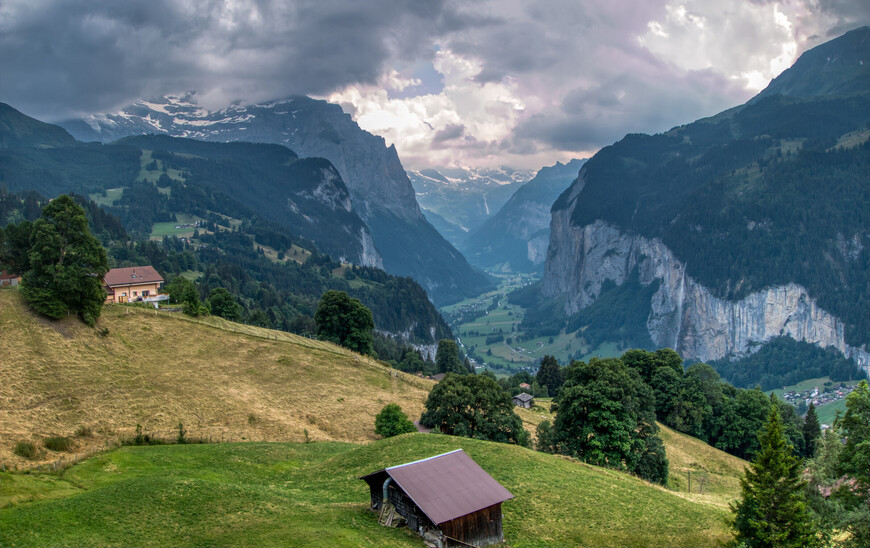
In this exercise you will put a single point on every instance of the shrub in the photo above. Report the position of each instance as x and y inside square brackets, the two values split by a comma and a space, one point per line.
[392, 421]
[25, 449]
[57, 443]
[84, 431]
[181, 434]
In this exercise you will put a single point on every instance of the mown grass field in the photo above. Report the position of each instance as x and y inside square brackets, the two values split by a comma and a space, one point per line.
[293, 494]
[222, 380]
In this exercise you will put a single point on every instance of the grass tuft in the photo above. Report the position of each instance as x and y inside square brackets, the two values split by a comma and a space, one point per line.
[57, 443]
[25, 449]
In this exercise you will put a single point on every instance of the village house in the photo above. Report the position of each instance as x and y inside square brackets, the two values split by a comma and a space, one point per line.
[137, 283]
[523, 400]
[448, 498]
[9, 279]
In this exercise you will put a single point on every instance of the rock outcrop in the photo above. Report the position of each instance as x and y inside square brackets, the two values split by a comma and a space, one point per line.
[684, 315]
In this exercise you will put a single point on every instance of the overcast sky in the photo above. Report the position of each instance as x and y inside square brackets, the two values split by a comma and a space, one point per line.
[471, 82]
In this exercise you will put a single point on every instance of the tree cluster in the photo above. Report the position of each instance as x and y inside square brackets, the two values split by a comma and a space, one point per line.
[61, 263]
[473, 406]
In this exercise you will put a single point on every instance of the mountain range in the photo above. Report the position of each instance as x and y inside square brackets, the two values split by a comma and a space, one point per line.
[380, 191]
[464, 198]
[717, 236]
[515, 238]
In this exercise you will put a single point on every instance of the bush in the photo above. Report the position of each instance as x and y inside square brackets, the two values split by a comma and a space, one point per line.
[25, 449]
[57, 443]
[392, 421]
[84, 431]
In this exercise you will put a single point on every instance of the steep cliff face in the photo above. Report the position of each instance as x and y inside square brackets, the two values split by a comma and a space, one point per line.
[752, 223]
[516, 237]
[380, 191]
[684, 314]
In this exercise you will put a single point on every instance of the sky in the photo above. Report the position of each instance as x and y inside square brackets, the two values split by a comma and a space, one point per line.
[471, 83]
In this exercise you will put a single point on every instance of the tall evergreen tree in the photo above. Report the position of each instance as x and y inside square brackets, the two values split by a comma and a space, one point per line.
[447, 358]
[66, 264]
[773, 511]
[550, 374]
[812, 430]
[854, 426]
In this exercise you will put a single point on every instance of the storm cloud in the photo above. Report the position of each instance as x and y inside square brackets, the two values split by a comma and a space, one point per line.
[489, 82]
[64, 57]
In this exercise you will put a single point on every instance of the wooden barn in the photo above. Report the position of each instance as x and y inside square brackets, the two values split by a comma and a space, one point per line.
[523, 400]
[447, 498]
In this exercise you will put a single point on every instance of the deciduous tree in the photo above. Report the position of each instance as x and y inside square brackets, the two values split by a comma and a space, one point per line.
[605, 415]
[473, 406]
[345, 321]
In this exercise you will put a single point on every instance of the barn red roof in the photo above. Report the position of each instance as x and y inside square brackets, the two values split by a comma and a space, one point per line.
[132, 276]
[447, 486]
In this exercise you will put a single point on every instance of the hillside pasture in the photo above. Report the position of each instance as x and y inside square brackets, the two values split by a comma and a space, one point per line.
[267, 494]
[222, 380]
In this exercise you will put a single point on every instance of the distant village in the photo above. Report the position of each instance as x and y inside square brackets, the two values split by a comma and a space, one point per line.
[818, 396]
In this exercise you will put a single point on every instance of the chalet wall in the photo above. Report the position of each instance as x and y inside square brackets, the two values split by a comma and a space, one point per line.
[482, 528]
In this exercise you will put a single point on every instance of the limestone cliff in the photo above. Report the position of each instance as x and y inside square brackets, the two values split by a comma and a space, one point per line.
[684, 314]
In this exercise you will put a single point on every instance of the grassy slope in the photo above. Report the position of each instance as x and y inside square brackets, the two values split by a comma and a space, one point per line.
[222, 380]
[715, 473]
[309, 495]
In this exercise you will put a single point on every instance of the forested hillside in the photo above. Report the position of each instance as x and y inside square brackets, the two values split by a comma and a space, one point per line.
[279, 290]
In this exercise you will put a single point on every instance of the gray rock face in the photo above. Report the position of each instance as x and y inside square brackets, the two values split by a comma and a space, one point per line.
[685, 316]
[518, 234]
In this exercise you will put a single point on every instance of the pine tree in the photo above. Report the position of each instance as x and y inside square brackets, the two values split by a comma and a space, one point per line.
[811, 431]
[773, 511]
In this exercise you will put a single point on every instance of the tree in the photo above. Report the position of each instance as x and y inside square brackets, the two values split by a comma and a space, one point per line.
[222, 303]
[680, 403]
[773, 510]
[183, 291]
[66, 264]
[550, 375]
[447, 358]
[546, 442]
[15, 248]
[854, 426]
[392, 421]
[739, 420]
[345, 321]
[604, 416]
[474, 406]
[811, 431]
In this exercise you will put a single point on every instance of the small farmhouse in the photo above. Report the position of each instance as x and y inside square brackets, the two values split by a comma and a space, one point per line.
[9, 279]
[137, 283]
[523, 400]
[447, 498]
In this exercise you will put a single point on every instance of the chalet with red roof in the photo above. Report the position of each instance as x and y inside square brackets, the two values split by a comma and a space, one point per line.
[137, 283]
[449, 499]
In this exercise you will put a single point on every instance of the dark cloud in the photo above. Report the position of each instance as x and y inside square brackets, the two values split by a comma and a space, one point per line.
[589, 118]
[452, 131]
[63, 57]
